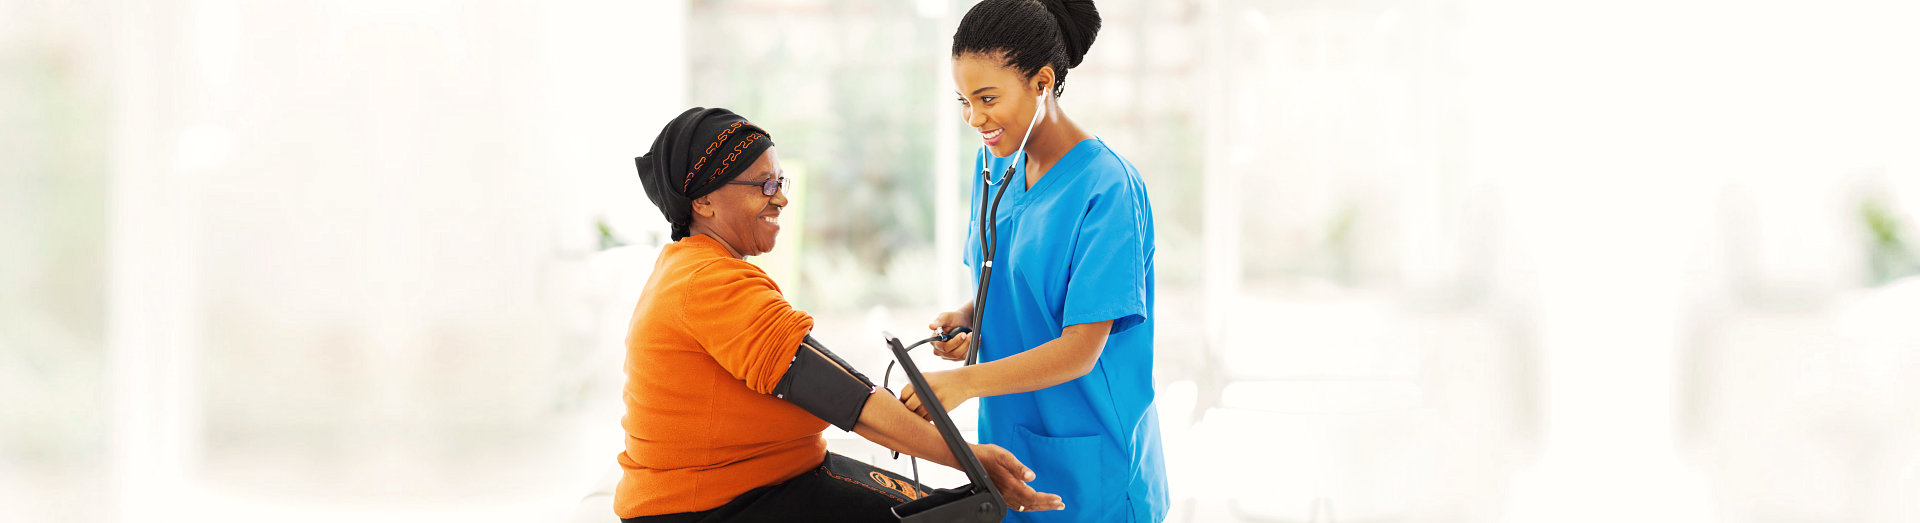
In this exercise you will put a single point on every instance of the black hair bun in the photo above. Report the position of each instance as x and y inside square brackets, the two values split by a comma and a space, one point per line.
[1079, 23]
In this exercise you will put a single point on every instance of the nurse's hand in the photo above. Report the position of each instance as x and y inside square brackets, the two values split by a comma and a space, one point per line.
[955, 348]
[1011, 478]
[948, 384]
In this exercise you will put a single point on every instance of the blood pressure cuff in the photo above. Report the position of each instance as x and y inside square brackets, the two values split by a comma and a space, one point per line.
[824, 385]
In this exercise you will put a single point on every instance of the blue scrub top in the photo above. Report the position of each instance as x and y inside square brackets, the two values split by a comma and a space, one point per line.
[1076, 248]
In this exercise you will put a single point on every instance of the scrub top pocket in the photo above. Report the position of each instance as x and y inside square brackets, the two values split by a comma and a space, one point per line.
[1072, 468]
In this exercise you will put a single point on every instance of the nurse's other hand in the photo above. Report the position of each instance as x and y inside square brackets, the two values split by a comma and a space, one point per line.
[955, 348]
[948, 384]
[1011, 478]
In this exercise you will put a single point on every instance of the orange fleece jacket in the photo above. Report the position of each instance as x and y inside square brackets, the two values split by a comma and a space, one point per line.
[709, 339]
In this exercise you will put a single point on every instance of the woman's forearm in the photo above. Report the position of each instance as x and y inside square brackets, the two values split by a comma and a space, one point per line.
[886, 422]
[1069, 356]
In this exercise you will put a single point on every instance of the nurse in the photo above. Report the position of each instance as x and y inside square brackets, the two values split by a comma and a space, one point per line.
[1066, 343]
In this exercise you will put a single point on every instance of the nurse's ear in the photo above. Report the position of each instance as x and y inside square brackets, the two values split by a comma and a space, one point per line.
[1041, 80]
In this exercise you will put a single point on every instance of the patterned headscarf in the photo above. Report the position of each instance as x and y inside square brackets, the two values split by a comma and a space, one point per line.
[696, 153]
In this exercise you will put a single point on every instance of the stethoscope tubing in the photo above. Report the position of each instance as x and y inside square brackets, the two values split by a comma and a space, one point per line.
[989, 227]
[989, 230]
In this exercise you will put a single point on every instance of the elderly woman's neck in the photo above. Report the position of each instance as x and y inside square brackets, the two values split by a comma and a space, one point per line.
[701, 230]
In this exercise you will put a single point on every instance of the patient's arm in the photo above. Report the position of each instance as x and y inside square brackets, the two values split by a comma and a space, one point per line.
[887, 422]
[826, 386]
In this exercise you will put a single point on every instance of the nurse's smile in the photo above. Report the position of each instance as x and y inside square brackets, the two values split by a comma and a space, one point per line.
[992, 137]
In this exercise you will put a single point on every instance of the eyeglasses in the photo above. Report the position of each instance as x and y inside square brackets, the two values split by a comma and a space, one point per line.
[769, 187]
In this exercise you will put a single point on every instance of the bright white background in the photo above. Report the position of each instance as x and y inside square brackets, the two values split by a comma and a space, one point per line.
[1446, 260]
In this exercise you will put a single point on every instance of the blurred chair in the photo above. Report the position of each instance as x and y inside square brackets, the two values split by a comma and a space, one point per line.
[1349, 406]
[597, 505]
[1315, 413]
[1835, 383]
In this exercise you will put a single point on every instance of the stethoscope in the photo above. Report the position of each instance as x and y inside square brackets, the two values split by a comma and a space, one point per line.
[989, 229]
[989, 238]
[989, 244]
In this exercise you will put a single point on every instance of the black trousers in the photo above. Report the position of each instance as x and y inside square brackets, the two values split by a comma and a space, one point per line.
[840, 489]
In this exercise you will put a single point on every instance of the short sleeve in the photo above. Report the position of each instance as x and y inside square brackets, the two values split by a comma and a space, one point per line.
[1108, 280]
[734, 310]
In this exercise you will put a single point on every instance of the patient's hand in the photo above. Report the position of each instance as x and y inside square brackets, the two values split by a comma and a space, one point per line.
[1011, 478]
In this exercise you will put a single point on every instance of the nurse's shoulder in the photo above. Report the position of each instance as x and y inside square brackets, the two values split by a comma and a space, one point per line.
[1107, 172]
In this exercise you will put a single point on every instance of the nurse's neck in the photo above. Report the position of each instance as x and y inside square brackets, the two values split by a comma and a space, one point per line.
[1053, 137]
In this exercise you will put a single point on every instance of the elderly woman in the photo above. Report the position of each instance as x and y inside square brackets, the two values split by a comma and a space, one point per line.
[726, 394]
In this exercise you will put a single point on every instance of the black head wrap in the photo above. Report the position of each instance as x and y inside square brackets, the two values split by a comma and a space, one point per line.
[694, 155]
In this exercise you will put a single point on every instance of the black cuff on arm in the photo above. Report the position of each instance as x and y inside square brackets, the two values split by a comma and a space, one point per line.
[823, 385]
